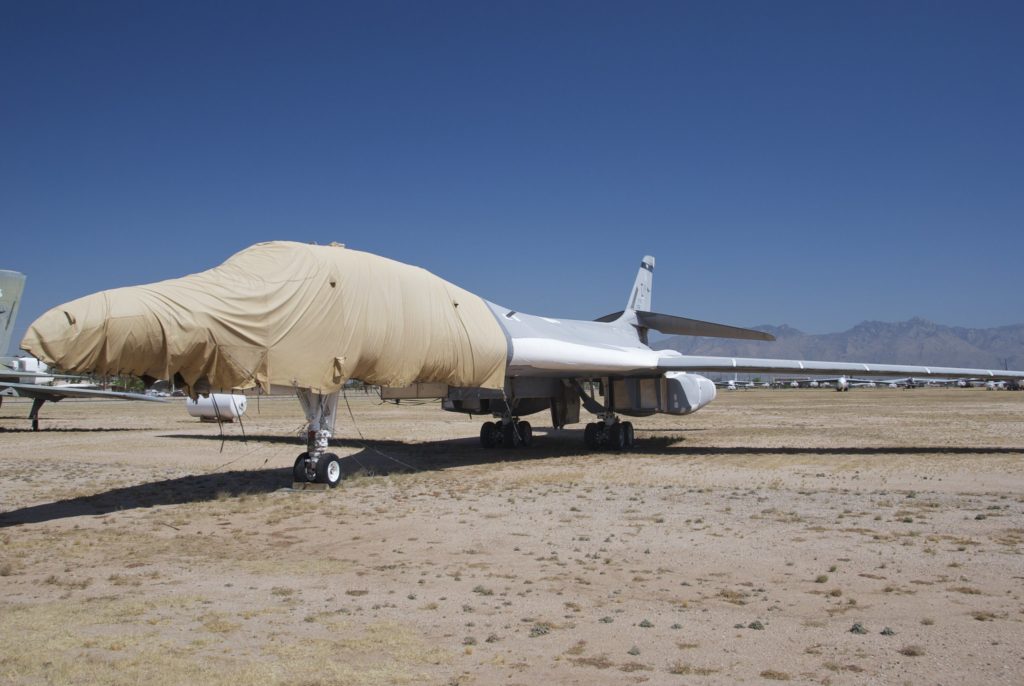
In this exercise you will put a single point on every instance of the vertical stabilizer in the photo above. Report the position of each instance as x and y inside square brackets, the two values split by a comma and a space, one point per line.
[640, 296]
[11, 286]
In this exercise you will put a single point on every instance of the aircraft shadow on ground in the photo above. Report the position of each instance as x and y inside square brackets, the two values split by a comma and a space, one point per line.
[395, 457]
[5, 430]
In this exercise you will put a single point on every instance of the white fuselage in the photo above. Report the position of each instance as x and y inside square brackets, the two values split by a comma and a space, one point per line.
[543, 346]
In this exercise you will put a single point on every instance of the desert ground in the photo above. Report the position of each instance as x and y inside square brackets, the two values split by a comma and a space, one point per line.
[874, 536]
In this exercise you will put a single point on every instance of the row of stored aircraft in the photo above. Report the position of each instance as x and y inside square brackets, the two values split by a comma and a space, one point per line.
[309, 318]
[844, 383]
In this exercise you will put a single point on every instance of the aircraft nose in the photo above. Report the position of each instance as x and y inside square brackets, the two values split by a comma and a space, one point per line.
[71, 335]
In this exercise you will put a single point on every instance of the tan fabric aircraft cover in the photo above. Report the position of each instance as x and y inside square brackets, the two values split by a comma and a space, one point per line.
[282, 313]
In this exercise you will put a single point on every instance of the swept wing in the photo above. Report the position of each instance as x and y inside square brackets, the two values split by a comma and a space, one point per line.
[695, 363]
[41, 394]
[55, 393]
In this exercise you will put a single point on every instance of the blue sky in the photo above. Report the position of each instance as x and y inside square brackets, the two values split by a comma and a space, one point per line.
[815, 164]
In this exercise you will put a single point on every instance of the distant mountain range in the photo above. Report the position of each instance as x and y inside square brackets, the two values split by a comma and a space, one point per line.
[916, 341]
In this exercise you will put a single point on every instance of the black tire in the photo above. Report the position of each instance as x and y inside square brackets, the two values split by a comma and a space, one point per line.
[629, 434]
[488, 435]
[509, 435]
[525, 434]
[616, 437]
[328, 470]
[299, 470]
[590, 435]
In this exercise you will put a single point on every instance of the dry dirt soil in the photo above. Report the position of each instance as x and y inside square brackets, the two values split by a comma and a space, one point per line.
[874, 536]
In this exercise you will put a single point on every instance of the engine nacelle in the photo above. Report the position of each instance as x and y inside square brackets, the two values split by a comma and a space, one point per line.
[688, 392]
[671, 393]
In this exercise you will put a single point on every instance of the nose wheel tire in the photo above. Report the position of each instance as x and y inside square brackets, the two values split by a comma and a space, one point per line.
[299, 470]
[328, 470]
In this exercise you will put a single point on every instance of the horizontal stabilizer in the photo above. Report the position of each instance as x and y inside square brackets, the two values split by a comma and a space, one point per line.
[681, 326]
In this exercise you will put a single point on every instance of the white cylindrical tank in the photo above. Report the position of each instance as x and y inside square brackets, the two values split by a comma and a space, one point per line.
[223, 406]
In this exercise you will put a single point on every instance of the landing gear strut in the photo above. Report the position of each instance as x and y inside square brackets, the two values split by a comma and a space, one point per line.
[508, 433]
[316, 464]
[33, 414]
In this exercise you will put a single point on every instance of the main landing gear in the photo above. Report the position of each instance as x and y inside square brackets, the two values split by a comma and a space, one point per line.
[609, 433]
[508, 433]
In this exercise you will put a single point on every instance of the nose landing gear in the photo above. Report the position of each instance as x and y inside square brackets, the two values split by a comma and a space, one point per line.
[316, 465]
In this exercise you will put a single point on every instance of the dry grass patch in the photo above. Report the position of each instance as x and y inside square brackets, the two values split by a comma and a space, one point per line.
[596, 661]
[836, 667]
[577, 649]
[218, 623]
[985, 616]
[734, 597]
[635, 667]
[680, 667]
[966, 590]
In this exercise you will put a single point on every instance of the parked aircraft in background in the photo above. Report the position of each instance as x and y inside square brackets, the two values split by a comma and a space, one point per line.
[28, 377]
[845, 383]
[914, 382]
[11, 286]
[548, 361]
[734, 384]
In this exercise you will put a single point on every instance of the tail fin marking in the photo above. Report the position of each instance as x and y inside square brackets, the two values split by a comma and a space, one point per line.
[640, 296]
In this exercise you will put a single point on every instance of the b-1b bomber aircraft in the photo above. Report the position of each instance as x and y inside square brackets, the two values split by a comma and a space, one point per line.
[310, 318]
